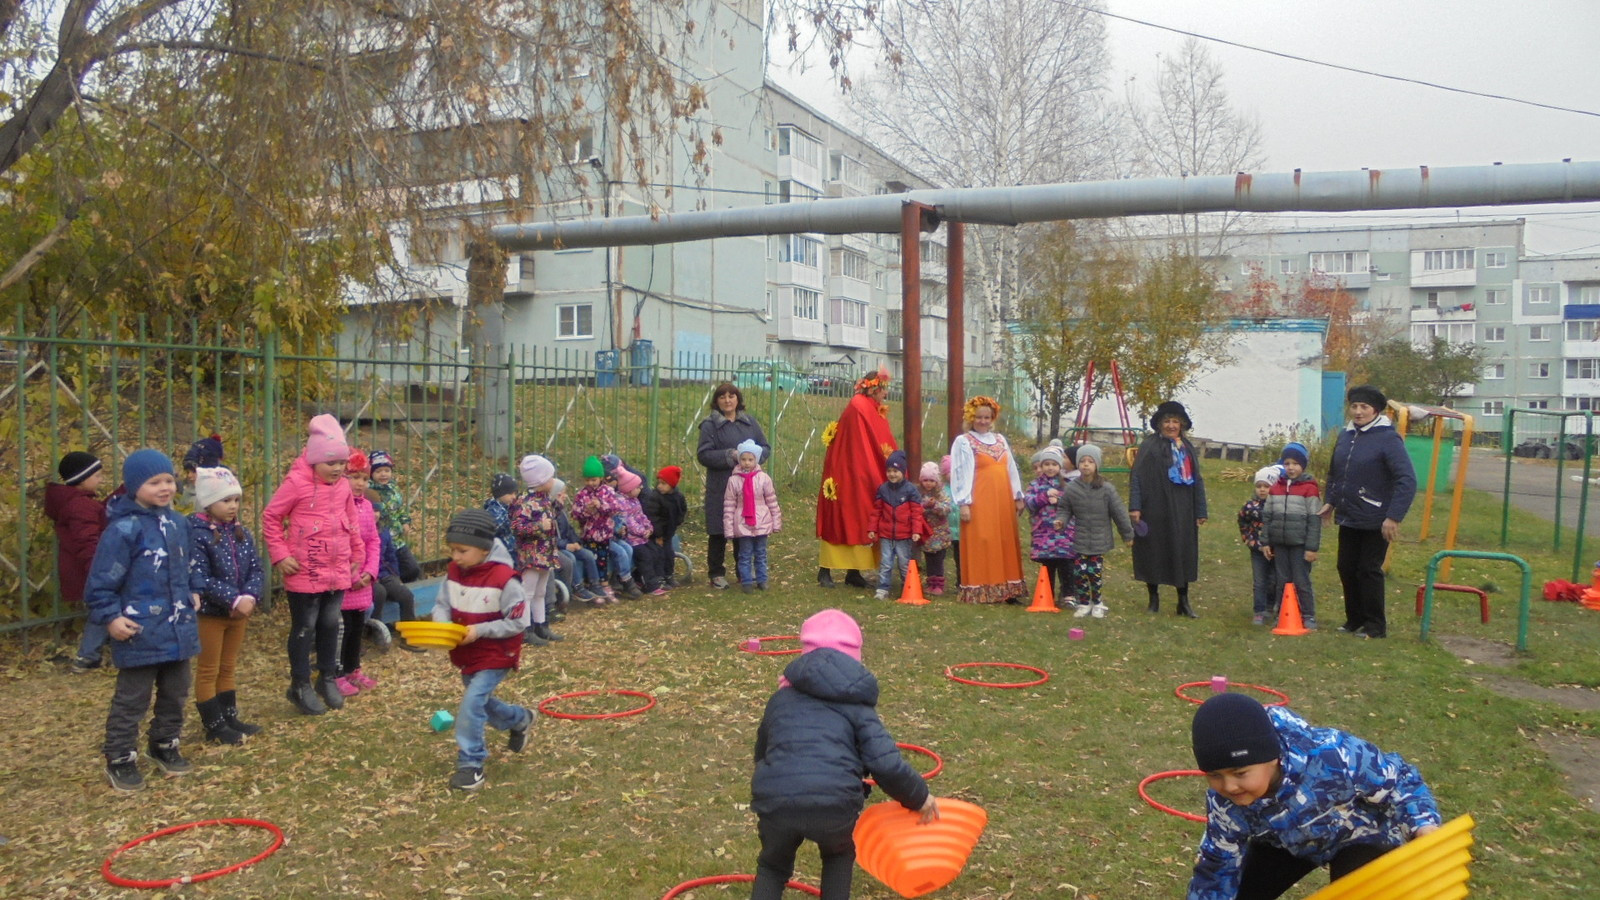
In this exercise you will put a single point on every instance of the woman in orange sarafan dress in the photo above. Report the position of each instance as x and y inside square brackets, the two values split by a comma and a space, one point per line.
[986, 487]
[853, 466]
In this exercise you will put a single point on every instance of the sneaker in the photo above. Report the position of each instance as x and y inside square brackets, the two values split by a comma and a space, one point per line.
[761, 585]
[347, 688]
[81, 666]
[123, 772]
[1310, 622]
[517, 739]
[380, 635]
[581, 593]
[659, 592]
[165, 754]
[467, 778]
[1258, 619]
[1099, 610]
[880, 594]
[672, 581]
[1082, 610]
[749, 587]
[719, 582]
[362, 680]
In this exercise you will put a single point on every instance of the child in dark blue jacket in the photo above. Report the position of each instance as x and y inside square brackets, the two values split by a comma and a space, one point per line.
[141, 589]
[224, 559]
[819, 737]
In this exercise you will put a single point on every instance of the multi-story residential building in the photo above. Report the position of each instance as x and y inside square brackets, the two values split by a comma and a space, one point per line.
[816, 301]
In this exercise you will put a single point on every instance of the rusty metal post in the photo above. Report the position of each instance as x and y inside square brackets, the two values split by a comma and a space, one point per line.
[956, 390]
[911, 330]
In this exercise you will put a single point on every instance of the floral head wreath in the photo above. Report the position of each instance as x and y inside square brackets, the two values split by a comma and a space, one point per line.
[969, 410]
[869, 383]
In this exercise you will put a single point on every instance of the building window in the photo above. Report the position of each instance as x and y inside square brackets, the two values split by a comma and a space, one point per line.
[1446, 260]
[1494, 259]
[796, 143]
[1539, 370]
[575, 320]
[1495, 297]
[1538, 404]
[1288, 266]
[795, 191]
[1583, 368]
[850, 264]
[806, 304]
[1340, 263]
[1494, 334]
[1442, 300]
[1589, 295]
[1581, 403]
[1494, 372]
[1583, 330]
[1494, 407]
[1543, 294]
[580, 146]
[973, 349]
[849, 312]
[877, 322]
[1538, 332]
[800, 250]
[1423, 334]
[769, 306]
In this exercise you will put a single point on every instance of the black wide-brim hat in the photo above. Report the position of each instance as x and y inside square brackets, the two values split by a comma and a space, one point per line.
[1170, 408]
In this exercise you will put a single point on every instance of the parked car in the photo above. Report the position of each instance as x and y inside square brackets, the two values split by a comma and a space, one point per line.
[765, 374]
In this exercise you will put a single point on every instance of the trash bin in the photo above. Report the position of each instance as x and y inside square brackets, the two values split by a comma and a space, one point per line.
[642, 361]
[1420, 449]
[605, 368]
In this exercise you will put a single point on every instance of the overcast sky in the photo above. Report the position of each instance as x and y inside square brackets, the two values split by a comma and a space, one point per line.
[1320, 119]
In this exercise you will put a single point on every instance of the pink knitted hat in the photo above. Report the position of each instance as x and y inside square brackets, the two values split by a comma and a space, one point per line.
[930, 471]
[327, 443]
[833, 629]
[627, 481]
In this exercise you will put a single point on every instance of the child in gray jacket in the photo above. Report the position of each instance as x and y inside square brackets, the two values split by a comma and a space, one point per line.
[1093, 504]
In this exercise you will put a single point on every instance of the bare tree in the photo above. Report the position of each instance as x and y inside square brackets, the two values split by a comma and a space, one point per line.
[993, 93]
[1188, 128]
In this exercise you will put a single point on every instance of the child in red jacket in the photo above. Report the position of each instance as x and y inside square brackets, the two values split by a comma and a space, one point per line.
[79, 519]
[897, 523]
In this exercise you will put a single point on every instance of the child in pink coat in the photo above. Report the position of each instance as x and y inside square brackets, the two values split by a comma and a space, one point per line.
[749, 513]
[357, 603]
[313, 539]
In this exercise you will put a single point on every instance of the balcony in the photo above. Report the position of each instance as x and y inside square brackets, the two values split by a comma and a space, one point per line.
[1580, 387]
[798, 330]
[1454, 315]
[849, 288]
[848, 336]
[1424, 278]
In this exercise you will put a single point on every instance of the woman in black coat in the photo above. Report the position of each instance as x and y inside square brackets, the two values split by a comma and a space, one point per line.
[1167, 501]
[720, 433]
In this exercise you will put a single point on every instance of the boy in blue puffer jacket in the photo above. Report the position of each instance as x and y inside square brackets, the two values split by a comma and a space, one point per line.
[819, 737]
[1287, 798]
[141, 589]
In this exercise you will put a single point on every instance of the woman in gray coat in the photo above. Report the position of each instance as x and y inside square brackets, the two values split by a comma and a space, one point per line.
[1167, 497]
[720, 433]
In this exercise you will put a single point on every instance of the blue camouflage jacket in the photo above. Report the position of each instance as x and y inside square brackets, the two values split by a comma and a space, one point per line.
[141, 570]
[1337, 790]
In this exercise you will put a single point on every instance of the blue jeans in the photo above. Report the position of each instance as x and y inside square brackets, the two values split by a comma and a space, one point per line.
[1264, 575]
[1292, 567]
[480, 707]
[93, 641]
[621, 560]
[752, 559]
[587, 571]
[894, 555]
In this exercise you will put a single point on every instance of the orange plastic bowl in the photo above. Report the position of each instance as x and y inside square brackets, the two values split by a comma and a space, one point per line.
[912, 859]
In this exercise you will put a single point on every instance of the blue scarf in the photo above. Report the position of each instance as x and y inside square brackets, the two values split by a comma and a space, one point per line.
[1182, 469]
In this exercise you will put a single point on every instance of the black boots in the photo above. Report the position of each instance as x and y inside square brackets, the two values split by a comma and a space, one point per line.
[542, 629]
[305, 699]
[1183, 606]
[853, 578]
[328, 690]
[230, 712]
[825, 577]
[216, 725]
[1155, 599]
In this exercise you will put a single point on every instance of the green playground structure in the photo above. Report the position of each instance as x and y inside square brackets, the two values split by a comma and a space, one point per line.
[1523, 611]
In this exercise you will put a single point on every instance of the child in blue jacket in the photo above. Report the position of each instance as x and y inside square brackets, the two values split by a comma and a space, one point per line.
[1287, 798]
[141, 589]
[819, 737]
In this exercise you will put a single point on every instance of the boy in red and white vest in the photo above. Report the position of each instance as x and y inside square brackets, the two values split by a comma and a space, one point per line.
[482, 592]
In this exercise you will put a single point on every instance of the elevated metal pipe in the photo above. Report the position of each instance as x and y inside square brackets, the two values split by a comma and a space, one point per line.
[1419, 188]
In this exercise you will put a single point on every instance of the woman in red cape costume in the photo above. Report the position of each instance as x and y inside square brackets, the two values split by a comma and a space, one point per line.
[853, 466]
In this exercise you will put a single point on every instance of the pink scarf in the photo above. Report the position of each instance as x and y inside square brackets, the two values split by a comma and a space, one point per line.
[749, 510]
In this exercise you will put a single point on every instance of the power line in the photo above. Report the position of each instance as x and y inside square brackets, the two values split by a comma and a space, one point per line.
[1332, 65]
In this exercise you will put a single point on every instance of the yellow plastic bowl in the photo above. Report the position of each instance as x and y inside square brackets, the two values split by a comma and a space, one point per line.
[437, 635]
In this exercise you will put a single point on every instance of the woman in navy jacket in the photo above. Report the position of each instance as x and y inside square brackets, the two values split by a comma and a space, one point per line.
[1370, 487]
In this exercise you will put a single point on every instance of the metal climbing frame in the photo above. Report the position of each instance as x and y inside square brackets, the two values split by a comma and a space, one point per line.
[1578, 567]
[1523, 611]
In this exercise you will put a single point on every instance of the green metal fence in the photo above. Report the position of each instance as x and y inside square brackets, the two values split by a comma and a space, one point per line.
[158, 384]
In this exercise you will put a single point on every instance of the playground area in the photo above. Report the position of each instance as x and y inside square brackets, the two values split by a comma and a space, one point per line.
[630, 807]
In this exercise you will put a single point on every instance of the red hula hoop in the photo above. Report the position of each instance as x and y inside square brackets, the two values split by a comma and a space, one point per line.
[119, 881]
[1283, 699]
[772, 637]
[543, 705]
[938, 761]
[734, 879]
[1175, 773]
[950, 673]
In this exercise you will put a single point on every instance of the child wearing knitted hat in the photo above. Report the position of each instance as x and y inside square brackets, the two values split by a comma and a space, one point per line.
[224, 557]
[750, 513]
[313, 539]
[1051, 546]
[936, 512]
[897, 524]
[144, 593]
[594, 510]
[666, 509]
[79, 518]
[533, 526]
[393, 514]
[820, 735]
[1263, 576]
[482, 592]
[1287, 798]
[1095, 507]
[1292, 528]
[633, 534]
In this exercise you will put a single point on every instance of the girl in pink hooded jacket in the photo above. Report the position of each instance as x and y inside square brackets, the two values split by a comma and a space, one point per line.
[313, 539]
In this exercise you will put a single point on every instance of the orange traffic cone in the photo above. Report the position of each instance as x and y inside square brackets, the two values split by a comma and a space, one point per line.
[913, 859]
[1591, 594]
[1044, 599]
[911, 593]
[1289, 621]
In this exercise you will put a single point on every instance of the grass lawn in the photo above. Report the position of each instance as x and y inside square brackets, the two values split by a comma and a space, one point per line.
[628, 808]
